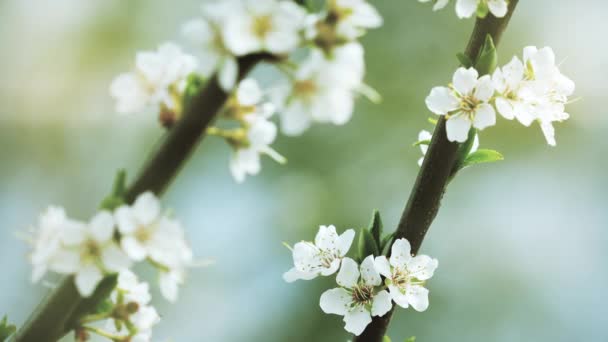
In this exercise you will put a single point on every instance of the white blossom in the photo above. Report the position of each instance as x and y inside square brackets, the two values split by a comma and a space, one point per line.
[206, 34]
[147, 233]
[260, 132]
[89, 251]
[159, 79]
[464, 103]
[357, 298]
[405, 275]
[264, 25]
[322, 90]
[322, 257]
[467, 8]
[533, 90]
[353, 17]
[425, 135]
[438, 4]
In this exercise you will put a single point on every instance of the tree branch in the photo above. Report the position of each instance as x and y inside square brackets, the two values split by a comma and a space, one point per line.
[434, 175]
[56, 314]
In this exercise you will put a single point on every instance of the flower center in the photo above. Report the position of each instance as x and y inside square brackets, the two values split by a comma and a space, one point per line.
[142, 233]
[305, 88]
[91, 250]
[468, 104]
[362, 294]
[262, 26]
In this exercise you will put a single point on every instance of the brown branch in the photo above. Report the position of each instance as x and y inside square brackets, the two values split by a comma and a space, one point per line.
[434, 175]
[61, 309]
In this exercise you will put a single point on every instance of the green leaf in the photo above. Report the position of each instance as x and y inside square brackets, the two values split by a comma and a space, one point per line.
[6, 329]
[487, 59]
[482, 10]
[386, 241]
[386, 339]
[375, 227]
[464, 149]
[411, 339]
[194, 84]
[464, 60]
[367, 244]
[421, 142]
[433, 121]
[481, 157]
[115, 199]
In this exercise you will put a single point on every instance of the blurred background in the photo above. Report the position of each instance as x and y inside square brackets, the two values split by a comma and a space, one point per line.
[522, 245]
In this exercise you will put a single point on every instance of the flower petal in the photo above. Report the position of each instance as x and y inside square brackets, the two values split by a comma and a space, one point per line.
[398, 296]
[345, 240]
[102, 226]
[400, 253]
[114, 259]
[369, 274]
[484, 88]
[382, 304]
[335, 301]
[422, 267]
[87, 279]
[466, 8]
[146, 208]
[485, 116]
[418, 297]
[498, 7]
[228, 73]
[125, 220]
[357, 320]
[457, 128]
[383, 266]
[505, 108]
[295, 274]
[133, 248]
[441, 101]
[465, 80]
[349, 273]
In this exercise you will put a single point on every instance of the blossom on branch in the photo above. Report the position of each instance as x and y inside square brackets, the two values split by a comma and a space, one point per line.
[323, 257]
[480, 8]
[357, 298]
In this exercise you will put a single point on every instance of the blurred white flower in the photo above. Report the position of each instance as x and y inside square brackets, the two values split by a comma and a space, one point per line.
[264, 25]
[439, 4]
[357, 299]
[159, 78]
[89, 251]
[322, 90]
[425, 135]
[464, 103]
[147, 233]
[322, 257]
[467, 8]
[259, 134]
[405, 275]
[206, 34]
[534, 90]
[353, 17]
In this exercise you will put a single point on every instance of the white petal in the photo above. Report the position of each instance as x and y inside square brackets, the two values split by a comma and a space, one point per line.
[549, 132]
[418, 297]
[345, 241]
[146, 208]
[513, 73]
[295, 119]
[441, 101]
[369, 274]
[466, 8]
[357, 320]
[484, 88]
[475, 145]
[465, 80]
[457, 128]
[422, 267]
[349, 273]
[65, 261]
[73, 233]
[398, 296]
[382, 304]
[169, 288]
[335, 301]
[505, 108]
[114, 259]
[228, 73]
[198, 32]
[248, 92]
[295, 274]
[87, 279]
[133, 248]
[326, 238]
[333, 267]
[102, 226]
[383, 266]
[400, 253]
[125, 220]
[498, 7]
[484, 116]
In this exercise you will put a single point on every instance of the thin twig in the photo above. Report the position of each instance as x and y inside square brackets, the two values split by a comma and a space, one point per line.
[434, 175]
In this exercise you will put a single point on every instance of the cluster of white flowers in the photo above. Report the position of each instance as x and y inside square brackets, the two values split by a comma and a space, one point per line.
[110, 243]
[320, 87]
[467, 8]
[362, 292]
[532, 90]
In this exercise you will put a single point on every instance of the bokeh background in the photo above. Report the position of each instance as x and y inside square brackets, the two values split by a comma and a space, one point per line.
[522, 244]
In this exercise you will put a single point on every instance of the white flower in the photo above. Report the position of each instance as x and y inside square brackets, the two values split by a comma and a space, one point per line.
[322, 257]
[264, 25]
[405, 275]
[131, 289]
[89, 251]
[206, 34]
[147, 233]
[357, 300]
[159, 78]
[323, 89]
[534, 90]
[425, 135]
[466, 8]
[439, 4]
[353, 17]
[464, 103]
[260, 132]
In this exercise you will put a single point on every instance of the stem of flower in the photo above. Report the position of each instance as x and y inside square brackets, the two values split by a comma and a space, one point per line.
[62, 308]
[104, 333]
[435, 173]
[95, 317]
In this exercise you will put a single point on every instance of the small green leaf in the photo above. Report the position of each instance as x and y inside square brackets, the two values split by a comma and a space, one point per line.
[464, 60]
[386, 339]
[481, 157]
[411, 339]
[464, 149]
[386, 241]
[487, 59]
[482, 10]
[194, 84]
[115, 199]
[6, 329]
[433, 121]
[375, 227]
[367, 244]
[421, 142]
